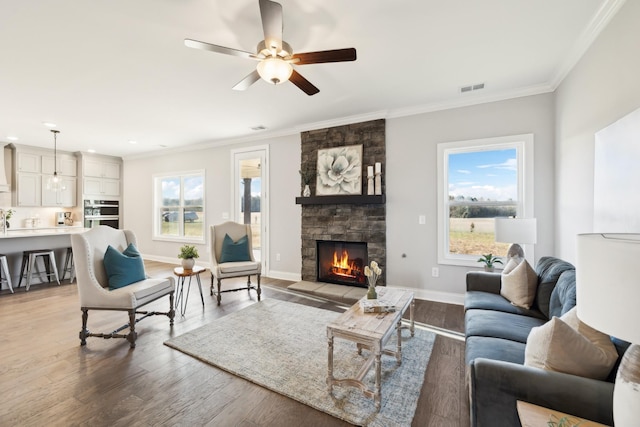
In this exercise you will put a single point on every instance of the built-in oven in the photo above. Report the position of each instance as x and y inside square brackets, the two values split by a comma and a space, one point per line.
[101, 212]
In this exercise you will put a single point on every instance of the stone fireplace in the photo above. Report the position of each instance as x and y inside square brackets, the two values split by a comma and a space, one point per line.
[346, 219]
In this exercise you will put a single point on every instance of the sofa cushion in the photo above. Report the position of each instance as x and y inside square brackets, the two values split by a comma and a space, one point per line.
[489, 323]
[548, 270]
[563, 296]
[495, 349]
[489, 301]
[519, 283]
[568, 345]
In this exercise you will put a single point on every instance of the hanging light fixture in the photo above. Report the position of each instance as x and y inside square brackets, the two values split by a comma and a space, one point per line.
[54, 182]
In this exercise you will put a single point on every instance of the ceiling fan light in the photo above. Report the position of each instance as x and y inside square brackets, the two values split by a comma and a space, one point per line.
[274, 70]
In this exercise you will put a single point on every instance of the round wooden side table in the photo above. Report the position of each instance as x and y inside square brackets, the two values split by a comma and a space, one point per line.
[182, 275]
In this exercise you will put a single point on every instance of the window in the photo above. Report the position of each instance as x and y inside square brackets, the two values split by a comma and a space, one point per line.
[479, 180]
[179, 207]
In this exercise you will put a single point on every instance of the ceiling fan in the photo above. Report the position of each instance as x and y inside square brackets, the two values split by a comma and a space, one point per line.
[275, 56]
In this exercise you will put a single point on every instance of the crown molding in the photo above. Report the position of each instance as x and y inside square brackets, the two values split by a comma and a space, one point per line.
[598, 23]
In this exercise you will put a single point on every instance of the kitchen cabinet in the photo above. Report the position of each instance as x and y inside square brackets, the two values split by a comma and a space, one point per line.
[101, 187]
[101, 176]
[64, 197]
[34, 167]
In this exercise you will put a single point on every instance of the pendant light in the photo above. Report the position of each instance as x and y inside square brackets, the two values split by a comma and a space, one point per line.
[54, 183]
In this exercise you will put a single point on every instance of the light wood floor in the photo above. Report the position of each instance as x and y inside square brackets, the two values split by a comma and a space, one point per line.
[47, 378]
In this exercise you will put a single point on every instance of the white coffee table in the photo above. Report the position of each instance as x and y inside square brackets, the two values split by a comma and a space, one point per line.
[370, 331]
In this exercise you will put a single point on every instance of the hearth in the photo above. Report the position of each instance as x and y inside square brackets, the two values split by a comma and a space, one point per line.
[341, 263]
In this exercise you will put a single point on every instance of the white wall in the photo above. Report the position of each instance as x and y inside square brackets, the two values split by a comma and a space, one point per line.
[603, 87]
[284, 226]
[411, 184]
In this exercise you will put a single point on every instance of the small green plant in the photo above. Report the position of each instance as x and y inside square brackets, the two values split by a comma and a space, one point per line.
[188, 251]
[563, 422]
[489, 260]
[307, 176]
[8, 213]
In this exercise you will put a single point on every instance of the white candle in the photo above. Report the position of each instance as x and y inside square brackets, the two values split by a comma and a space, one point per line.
[378, 167]
[369, 170]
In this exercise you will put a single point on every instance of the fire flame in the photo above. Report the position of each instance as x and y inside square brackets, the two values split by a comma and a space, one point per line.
[343, 267]
[343, 262]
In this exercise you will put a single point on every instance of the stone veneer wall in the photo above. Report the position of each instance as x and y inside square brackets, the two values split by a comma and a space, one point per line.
[345, 222]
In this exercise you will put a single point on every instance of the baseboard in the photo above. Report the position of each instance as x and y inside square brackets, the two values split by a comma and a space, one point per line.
[284, 275]
[437, 296]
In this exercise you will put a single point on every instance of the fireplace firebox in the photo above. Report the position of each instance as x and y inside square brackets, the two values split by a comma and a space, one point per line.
[341, 263]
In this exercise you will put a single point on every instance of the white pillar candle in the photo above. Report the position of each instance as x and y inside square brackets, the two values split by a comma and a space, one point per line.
[369, 170]
[378, 167]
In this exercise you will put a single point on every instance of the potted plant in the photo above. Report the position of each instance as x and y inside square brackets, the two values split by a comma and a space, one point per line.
[188, 253]
[489, 260]
[307, 176]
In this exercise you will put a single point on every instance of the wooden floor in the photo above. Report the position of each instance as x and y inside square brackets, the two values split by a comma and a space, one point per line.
[47, 378]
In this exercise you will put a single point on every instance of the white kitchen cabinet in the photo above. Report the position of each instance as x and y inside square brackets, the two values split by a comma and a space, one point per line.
[99, 168]
[101, 187]
[65, 165]
[33, 168]
[28, 162]
[29, 189]
[64, 197]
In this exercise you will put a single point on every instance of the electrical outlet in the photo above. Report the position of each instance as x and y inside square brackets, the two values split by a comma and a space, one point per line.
[225, 215]
[422, 219]
[435, 272]
[277, 257]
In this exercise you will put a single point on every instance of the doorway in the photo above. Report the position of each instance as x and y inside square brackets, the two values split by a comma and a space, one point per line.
[250, 182]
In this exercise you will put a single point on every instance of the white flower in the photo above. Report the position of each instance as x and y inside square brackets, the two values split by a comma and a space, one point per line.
[339, 170]
[372, 272]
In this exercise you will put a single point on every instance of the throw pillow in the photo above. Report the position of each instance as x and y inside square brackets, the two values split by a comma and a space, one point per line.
[557, 346]
[123, 268]
[519, 284]
[235, 251]
[512, 263]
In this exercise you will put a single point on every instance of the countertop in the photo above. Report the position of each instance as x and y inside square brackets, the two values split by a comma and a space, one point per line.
[41, 232]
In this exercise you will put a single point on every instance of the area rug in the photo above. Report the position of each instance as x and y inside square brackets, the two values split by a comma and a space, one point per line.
[283, 346]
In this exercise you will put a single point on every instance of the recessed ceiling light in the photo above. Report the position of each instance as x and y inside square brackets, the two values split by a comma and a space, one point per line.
[131, 141]
[49, 124]
[12, 138]
[91, 150]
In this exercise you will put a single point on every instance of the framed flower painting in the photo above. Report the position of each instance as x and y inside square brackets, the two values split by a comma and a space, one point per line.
[339, 171]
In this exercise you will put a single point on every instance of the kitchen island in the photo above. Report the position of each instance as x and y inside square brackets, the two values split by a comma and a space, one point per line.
[14, 241]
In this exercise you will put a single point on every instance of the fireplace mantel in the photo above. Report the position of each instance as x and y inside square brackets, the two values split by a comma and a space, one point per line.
[341, 200]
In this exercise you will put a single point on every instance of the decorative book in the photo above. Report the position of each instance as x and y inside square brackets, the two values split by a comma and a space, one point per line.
[376, 306]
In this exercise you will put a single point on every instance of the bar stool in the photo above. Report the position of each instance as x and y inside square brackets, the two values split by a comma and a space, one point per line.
[29, 261]
[4, 270]
[69, 266]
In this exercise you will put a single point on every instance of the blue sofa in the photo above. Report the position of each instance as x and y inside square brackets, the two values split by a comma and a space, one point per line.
[496, 334]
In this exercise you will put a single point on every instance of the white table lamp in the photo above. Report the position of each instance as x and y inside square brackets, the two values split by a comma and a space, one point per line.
[607, 294]
[516, 231]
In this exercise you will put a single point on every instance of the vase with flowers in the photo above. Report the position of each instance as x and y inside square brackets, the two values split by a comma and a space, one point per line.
[373, 272]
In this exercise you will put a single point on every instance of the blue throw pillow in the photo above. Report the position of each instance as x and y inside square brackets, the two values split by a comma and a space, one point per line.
[235, 251]
[123, 268]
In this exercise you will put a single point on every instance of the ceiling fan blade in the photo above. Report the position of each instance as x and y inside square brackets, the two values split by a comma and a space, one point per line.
[218, 49]
[337, 55]
[271, 13]
[305, 85]
[247, 81]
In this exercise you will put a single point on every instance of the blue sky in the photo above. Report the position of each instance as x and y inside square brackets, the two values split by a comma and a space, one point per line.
[491, 175]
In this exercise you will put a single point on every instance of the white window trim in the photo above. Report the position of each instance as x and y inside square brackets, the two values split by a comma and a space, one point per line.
[157, 195]
[525, 146]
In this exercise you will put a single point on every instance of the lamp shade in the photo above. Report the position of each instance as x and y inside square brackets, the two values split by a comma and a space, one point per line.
[608, 285]
[516, 230]
[274, 70]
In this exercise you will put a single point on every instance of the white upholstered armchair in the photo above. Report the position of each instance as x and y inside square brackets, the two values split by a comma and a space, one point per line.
[93, 284]
[233, 257]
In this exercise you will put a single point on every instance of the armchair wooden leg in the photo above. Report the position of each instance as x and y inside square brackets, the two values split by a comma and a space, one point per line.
[219, 287]
[258, 290]
[172, 312]
[211, 290]
[131, 337]
[83, 331]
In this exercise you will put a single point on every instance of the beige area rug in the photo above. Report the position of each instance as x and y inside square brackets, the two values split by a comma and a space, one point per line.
[283, 346]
